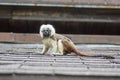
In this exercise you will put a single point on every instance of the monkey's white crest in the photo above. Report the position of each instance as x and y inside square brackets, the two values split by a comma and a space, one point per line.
[47, 27]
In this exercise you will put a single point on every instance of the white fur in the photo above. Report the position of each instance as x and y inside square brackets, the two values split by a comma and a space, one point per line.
[45, 26]
[50, 46]
[60, 47]
[41, 28]
[52, 29]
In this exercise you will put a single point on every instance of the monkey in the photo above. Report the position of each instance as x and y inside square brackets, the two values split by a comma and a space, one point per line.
[57, 44]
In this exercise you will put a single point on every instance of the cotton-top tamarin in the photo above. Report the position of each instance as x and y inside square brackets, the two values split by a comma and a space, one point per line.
[57, 44]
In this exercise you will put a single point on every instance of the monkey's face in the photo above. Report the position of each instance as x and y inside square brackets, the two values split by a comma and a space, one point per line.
[46, 31]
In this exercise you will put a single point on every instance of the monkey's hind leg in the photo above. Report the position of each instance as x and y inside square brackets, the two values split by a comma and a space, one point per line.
[60, 47]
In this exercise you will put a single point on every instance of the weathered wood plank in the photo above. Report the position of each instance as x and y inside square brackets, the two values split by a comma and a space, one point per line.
[66, 3]
[72, 65]
[35, 38]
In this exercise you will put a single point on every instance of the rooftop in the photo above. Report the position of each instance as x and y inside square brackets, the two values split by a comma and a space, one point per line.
[24, 60]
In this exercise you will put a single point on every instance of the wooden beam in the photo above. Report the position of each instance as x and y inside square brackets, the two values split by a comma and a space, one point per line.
[35, 38]
[111, 4]
[61, 14]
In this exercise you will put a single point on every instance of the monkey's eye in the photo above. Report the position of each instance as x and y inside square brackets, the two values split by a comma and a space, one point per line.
[48, 30]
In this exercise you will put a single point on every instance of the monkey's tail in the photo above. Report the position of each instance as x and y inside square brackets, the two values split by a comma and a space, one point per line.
[90, 55]
[81, 54]
[104, 56]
